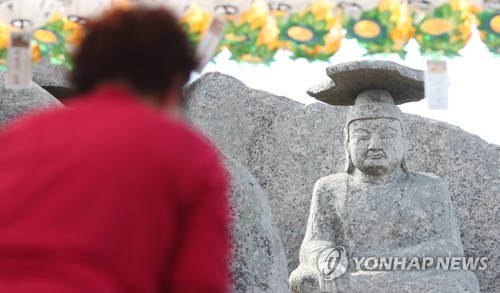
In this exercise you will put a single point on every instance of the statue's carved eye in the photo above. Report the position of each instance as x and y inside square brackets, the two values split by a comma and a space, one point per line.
[388, 134]
[361, 134]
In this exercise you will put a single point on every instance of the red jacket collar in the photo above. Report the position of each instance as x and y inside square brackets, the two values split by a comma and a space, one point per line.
[112, 91]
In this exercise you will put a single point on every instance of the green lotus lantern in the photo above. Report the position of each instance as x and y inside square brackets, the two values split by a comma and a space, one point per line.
[195, 23]
[253, 36]
[442, 27]
[488, 17]
[221, 15]
[56, 39]
[312, 34]
[65, 30]
[4, 44]
[380, 27]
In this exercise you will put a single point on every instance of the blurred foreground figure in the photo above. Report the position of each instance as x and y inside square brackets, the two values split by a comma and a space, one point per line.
[115, 194]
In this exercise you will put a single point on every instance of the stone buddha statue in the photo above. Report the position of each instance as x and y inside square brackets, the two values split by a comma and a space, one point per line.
[378, 208]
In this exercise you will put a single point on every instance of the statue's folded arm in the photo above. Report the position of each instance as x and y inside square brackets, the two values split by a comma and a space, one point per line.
[323, 222]
[443, 238]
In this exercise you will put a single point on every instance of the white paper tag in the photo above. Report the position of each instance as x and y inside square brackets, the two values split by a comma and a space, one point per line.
[436, 84]
[210, 42]
[19, 60]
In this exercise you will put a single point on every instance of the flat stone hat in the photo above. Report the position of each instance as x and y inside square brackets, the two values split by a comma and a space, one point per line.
[348, 80]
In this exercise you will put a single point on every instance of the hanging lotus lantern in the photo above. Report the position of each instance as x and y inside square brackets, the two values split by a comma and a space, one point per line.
[56, 39]
[488, 17]
[381, 27]
[332, 40]
[74, 14]
[195, 23]
[283, 11]
[253, 36]
[313, 34]
[442, 27]
[63, 32]
[4, 44]
[362, 20]
[222, 11]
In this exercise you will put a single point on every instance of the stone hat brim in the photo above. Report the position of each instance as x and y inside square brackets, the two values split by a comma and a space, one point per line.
[347, 80]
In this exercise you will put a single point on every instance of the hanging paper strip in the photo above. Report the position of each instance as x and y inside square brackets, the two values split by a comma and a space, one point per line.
[443, 29]
[5, 31]
[314, 34]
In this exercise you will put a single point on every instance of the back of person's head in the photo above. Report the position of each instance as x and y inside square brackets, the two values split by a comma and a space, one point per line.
[143, 49]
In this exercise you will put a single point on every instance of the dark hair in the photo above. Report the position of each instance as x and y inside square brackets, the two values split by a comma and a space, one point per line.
[142, 48]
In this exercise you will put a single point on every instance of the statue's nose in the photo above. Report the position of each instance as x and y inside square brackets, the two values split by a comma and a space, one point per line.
[374, 142]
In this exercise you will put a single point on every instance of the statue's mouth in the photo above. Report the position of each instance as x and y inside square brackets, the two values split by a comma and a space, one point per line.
[375, 155]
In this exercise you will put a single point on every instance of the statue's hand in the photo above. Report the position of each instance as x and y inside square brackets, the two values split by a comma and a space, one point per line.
[304, 279]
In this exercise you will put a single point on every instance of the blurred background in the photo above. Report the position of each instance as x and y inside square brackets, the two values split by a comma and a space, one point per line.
[284, 46]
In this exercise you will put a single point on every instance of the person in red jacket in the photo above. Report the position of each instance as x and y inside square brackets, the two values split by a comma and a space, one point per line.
[115, 194]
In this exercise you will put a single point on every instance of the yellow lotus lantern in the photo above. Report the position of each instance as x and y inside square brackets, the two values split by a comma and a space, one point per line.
[56, 39]
[195, 23]
[284, 11]
[488, 18]
[313, 34]
[4, 44]
[253, 36]
[381, 28]
[64, 31]
[442, 27]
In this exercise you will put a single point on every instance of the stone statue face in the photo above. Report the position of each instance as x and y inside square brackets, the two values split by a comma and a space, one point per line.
[376, 146]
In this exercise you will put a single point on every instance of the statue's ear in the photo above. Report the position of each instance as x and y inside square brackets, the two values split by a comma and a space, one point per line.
[404, 163]
[349, 167]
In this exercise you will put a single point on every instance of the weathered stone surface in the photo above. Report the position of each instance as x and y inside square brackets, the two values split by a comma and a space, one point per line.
[259, 263]
[404, 83]
[47, 74]
[288, 146]
[378, 208]
[15, 102]
[53, 78]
